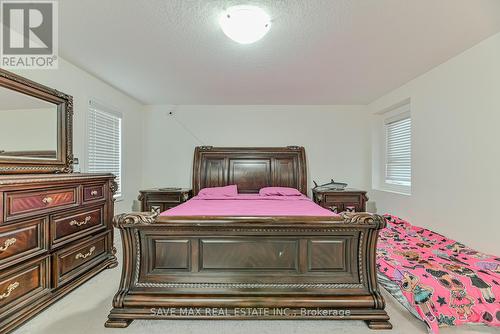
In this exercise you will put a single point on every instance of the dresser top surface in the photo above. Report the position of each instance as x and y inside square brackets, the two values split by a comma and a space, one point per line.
[33, 178]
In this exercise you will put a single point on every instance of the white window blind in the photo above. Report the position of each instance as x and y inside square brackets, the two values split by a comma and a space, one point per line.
[104, 142]
[398, 154]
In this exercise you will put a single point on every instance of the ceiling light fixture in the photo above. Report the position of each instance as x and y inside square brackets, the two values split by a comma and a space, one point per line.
[245, 24]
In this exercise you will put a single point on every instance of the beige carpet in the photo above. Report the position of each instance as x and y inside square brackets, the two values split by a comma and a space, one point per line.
[85, 310]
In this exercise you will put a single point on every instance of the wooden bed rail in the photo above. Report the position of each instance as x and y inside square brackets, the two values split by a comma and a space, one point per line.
[346, 218]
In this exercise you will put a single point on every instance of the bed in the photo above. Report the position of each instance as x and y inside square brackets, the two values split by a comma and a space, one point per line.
[439, 280]
[245, 257]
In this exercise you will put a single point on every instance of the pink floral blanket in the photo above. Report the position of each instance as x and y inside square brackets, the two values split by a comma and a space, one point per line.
[447, 283]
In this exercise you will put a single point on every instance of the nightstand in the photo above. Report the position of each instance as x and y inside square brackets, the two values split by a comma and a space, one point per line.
[162, 199]
[350, 200]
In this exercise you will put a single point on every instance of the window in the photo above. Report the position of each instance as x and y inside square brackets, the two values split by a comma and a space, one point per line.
[391, 148]
[398, 150]
[104, 154]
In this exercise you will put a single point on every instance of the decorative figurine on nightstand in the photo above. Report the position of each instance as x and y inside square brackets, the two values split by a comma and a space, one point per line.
[336, 197]
[330, 186]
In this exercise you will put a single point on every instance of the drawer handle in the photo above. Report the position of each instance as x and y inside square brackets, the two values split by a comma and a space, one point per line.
[84, 256]
[47, 200]
[83, 222]
[7, 244]
[94, 193]
[10, 288]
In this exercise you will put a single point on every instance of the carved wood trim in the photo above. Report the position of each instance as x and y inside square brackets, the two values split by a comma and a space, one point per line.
[249, 223]
[135, 218]
[113, 186]
[361, 218]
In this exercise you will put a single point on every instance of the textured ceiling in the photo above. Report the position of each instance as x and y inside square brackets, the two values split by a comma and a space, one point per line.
[317, 51]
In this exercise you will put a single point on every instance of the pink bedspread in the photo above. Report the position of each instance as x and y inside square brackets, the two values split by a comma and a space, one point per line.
[447, 283]
[249, 205]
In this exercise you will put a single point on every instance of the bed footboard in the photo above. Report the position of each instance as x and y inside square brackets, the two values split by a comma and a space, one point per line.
[249, 268]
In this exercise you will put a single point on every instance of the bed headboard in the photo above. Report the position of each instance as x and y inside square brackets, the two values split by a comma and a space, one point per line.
[251, 168]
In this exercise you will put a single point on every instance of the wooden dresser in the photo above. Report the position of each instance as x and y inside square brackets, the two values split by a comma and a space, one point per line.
[55, 234]
[162, 199]
[348, 200]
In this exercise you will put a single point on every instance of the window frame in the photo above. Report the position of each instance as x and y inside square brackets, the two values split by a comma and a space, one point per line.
[394, 113]
[95, 104]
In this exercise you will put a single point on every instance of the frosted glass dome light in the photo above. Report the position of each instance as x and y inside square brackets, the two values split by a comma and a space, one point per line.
[245, 24]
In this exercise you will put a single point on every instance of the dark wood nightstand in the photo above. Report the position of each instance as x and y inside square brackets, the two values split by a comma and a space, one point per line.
[351, 200]
[162, 199]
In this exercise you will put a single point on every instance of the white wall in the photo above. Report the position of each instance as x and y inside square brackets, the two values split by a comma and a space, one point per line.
[83, 86]
[455, 148]
[336, 138]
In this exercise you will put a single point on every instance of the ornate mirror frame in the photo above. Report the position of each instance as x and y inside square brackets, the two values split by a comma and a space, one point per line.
[64, 161]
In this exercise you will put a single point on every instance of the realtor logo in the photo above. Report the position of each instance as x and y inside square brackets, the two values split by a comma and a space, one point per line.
[29, 34]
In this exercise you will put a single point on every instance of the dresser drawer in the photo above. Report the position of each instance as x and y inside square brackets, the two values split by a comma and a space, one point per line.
[21, 241]
[165, 198]
[75, 259]
[330, 199]
[20, 204]
[73, 225]
[24, 284]
[93, 193]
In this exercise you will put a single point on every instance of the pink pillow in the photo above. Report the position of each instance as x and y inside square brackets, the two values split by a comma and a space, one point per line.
[279, 191]
[229, 191]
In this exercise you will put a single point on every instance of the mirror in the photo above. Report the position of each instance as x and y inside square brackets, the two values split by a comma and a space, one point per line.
[35, 127]
[28, 127]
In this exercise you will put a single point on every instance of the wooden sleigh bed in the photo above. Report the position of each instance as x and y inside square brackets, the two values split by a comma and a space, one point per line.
[278, 267]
